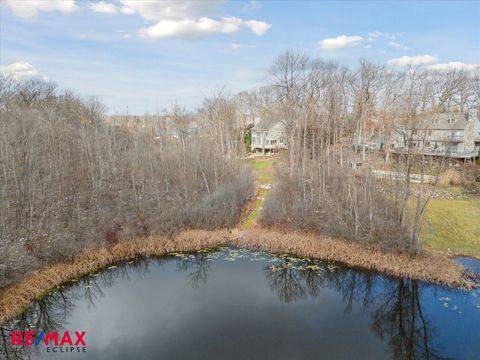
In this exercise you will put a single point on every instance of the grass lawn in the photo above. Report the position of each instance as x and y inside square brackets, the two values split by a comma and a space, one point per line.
[263, 169]
[453, 224]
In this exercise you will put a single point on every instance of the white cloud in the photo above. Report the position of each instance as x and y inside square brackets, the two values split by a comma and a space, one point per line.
[398, 46]
[340, 42]
[171, 9]
[28, 9]
[103, 7]
[375, 34]
[258, 27]
[189, 19]
[454, 65]
[413, 60]
[242, 46]
[127, 11]
[367, 46]
[193, 28]
[21, 70]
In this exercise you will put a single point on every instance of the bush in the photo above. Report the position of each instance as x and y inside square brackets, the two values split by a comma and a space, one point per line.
[344, 203]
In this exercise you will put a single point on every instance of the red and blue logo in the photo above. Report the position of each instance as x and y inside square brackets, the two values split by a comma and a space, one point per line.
[53, 341]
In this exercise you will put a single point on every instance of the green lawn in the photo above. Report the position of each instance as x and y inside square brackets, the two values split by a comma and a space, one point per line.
[453, 224]
[263, 169]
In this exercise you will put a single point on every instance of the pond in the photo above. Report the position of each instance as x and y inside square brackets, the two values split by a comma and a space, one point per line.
[233, 303]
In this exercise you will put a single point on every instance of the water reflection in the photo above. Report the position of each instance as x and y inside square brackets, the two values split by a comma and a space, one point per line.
[396, 311]
[394, 306]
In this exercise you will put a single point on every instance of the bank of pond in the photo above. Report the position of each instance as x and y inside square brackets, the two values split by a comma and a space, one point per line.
[233, 303]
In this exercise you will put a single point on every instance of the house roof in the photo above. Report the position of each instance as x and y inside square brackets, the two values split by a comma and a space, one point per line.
[440, 121]
[266, 124]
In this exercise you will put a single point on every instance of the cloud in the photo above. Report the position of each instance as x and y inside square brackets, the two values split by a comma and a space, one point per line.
[103, 7]
[258, 27]
[127, 11]
[454, 65]
[375, 34]
[194, 28]
[28, 9]
[188, 19]
[242, 46]
[398, 46]
[413, 60]
[21, 70]
[191, 28]
[430, 63]
[340, 42]
[171, 9]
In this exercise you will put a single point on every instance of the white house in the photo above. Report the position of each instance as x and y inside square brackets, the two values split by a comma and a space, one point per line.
[452, 134]
[268, 136]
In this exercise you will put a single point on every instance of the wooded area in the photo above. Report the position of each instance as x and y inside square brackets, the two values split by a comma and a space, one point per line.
[328, 111]
[70, 180]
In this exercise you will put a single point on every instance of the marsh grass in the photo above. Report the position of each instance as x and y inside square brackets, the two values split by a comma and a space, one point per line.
[428, 266]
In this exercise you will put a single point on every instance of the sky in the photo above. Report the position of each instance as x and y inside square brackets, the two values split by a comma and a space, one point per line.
[140, 56]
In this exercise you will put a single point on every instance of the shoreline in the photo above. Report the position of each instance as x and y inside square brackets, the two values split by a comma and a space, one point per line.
[426, 266]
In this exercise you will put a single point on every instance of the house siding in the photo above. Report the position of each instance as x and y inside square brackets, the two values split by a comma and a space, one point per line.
[451, 134]
[271, 139]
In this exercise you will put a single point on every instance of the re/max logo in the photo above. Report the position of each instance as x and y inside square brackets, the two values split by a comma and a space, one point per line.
[29, 338]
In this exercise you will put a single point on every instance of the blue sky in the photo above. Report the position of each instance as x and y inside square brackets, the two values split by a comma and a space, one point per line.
[145, 55]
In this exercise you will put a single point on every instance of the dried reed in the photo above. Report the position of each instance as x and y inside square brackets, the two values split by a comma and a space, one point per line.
[427, 266]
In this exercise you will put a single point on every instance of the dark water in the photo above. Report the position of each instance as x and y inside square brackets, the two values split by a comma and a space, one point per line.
[236, 304]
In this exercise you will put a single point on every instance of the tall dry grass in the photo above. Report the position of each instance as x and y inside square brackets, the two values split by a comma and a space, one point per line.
[426, 266]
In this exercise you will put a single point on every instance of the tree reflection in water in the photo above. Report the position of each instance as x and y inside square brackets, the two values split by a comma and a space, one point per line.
[50, 312]
[292, 283]
[394, 304]
[199, 267]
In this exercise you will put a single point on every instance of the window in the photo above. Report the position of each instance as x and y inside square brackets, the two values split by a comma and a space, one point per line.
[281, 141]
[392, 146]
[435, 121]
[450, 120]
[427, 143]
[273, 142]
[429, 132]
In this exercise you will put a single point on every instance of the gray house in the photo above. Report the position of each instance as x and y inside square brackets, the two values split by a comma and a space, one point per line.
[268, 136]
[452, 134]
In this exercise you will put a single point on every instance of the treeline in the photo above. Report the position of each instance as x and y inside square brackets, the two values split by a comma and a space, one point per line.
[68, 179]
[329, 111]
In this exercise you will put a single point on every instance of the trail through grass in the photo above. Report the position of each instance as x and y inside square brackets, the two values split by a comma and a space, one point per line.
[263, 170]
